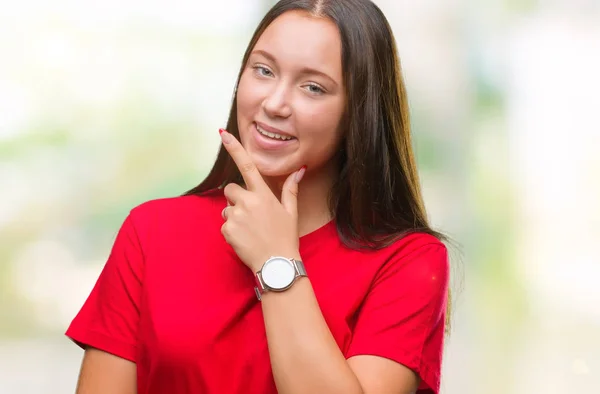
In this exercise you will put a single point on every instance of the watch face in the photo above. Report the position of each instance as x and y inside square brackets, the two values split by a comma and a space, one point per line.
[278, 273]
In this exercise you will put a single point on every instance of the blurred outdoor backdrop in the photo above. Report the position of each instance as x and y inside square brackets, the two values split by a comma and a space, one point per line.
[107, 104]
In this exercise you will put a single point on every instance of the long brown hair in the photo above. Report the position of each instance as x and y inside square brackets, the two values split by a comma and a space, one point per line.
[376, 198]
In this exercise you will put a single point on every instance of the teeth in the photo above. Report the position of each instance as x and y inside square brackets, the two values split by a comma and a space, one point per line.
[273, 135]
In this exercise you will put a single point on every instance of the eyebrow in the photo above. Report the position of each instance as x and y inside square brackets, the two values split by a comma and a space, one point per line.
[304, 70]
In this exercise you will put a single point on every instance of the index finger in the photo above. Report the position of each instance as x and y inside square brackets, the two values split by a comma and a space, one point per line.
[242, 160]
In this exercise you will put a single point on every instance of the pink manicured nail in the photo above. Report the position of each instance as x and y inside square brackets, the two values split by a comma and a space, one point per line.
[300, 174]
[225, 136]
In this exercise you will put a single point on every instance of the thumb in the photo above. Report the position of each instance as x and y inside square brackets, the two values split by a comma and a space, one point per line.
[289, 192]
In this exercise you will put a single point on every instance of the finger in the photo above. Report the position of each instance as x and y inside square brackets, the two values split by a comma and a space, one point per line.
[244, 163]
[225, 232]
[224, 212]
[289, 192]
[234, 193]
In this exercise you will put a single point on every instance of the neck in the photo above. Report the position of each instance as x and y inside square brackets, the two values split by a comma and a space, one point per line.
[313, 198]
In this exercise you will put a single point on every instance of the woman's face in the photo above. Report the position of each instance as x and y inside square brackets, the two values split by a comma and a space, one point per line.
[290, 97]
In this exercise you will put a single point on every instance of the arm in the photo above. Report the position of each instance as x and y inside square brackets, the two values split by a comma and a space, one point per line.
[103, 372]
[306, 359]
[106, 325]
[394, 321]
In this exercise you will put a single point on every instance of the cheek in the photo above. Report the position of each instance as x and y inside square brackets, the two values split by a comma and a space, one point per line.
[244, 97]
[247, 104]
[321, 131]
[323, 122]
[249, 97]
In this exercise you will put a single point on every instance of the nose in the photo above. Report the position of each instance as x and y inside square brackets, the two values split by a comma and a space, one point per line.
[276, 103]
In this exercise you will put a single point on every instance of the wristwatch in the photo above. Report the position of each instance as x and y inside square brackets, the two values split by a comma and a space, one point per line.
[278, 274]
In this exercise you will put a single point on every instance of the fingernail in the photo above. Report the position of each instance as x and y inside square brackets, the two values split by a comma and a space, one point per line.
[300, 174]
[225, 136]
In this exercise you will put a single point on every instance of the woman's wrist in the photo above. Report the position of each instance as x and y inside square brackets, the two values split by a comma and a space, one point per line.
[257, 265]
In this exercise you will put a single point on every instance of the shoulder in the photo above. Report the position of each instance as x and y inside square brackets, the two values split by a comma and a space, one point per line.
[418, 255]
[178, 208]
[175, 216]
[417, 243]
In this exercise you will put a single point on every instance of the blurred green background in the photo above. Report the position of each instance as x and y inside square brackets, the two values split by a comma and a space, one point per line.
[104, 105]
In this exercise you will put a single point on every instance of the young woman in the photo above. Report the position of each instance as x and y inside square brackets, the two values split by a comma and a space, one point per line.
[304, 262]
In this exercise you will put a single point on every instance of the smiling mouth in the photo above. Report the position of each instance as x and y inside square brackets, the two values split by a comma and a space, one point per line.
[273, 135]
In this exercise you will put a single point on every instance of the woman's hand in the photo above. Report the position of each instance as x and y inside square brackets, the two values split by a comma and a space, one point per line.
[257, 225]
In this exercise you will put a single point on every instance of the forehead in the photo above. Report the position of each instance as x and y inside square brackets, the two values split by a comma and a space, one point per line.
[297, 37]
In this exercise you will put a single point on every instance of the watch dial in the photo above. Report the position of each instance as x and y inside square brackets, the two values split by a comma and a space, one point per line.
[278, 273]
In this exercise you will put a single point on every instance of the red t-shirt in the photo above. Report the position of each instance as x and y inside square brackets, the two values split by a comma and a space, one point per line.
[175, 299]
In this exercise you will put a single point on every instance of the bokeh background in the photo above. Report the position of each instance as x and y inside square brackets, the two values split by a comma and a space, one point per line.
[104, 105]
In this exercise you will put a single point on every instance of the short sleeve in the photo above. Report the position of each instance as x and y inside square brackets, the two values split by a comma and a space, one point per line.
[403, 315]
[109, 317]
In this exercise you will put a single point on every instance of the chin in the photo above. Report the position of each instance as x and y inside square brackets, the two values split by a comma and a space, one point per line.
[270, 166]
[273, 171]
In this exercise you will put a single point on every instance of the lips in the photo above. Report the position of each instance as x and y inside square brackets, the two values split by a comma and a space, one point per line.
[268, 143]
[272, 132]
